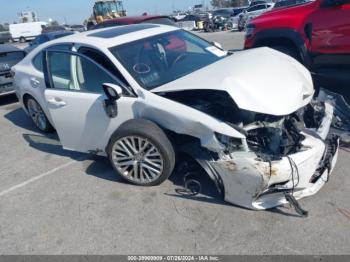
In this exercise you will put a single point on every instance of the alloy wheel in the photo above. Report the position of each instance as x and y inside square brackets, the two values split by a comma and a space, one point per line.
[37, 114]
[137, 159]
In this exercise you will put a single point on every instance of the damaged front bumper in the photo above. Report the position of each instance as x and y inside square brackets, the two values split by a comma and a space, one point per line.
[251, 182]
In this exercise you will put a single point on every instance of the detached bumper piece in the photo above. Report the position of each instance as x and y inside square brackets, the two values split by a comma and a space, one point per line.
[252, 182]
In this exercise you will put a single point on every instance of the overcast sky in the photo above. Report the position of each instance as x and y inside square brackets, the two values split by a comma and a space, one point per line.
[75, 11]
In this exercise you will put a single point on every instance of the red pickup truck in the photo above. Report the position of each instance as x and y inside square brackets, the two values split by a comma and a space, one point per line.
[316, 33]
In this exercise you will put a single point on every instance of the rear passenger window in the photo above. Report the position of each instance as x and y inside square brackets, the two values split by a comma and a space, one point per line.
[38, 59]
[59, 67]
[38, 62]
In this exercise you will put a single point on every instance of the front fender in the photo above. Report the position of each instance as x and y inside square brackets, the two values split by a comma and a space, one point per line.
[183, 119]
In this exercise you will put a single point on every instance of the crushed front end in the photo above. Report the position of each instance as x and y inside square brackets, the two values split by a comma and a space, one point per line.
[288, 155]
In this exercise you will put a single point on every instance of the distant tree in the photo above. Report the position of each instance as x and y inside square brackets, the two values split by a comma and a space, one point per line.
[2, 28]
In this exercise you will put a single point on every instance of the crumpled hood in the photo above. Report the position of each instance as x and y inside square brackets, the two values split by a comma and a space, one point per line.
[260, 80]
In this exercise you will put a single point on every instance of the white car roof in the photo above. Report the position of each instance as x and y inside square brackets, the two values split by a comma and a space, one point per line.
[113, 36]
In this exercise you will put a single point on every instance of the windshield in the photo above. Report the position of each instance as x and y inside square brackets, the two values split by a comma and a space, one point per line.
[160, 59]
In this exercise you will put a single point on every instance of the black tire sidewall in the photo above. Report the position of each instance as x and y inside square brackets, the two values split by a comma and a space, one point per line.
[49, 128]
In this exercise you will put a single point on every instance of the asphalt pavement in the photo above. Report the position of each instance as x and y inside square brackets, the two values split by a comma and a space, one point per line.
[54, 201]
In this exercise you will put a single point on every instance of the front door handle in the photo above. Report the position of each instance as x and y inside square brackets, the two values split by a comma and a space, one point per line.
[57, 102]
[35, 82]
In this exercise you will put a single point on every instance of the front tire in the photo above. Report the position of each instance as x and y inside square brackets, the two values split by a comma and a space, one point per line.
[141, 153]
[38, 116]
[22, 40]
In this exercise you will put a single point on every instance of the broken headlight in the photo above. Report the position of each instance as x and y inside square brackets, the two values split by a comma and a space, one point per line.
[230, 143]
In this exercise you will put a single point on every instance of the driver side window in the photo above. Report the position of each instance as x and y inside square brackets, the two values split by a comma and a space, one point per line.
[75, 73]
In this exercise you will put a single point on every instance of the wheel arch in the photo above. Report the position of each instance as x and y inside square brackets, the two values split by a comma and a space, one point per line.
[286, 37]
[184, 145]
[25, 98]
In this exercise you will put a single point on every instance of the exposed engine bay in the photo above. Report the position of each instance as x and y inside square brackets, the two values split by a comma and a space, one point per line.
[285, 158]
[270, 137]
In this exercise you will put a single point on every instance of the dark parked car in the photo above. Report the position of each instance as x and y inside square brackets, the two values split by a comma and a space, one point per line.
[5, 37]
[128, 20]
[45, 37]
[194, 17]
[225, 12]
[77, 28]
[53, 28]
[228, 12]
[9, 56]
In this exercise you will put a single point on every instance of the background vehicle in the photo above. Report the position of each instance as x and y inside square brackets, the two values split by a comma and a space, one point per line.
[53, 28]
[225, 12]
[217, 23]
[77, 28]
[26, 31]
[232, 22]
[251, 13]
[129, 20]
[193, 21]
[9, 56]
[316, 33]
[179, 16]
[5, 37]
[287, 3]
[45, 37]
[105, 10]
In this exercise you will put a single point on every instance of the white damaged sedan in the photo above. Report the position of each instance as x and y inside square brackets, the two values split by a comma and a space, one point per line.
[145, 95]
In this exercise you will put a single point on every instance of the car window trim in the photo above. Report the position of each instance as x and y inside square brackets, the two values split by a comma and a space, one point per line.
[49, 79]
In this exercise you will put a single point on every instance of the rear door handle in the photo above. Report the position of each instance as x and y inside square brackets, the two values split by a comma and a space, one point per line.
[35, 82]
[57, 102]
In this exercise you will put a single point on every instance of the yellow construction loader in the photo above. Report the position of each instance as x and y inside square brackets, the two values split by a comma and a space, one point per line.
[105, 10]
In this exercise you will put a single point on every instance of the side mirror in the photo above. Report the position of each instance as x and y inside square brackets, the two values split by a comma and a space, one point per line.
[218, 45]
[112, 91]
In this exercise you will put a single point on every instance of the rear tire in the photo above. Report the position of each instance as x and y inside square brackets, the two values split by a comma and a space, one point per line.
[38, 116]
[141, 153]
[22, 39]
